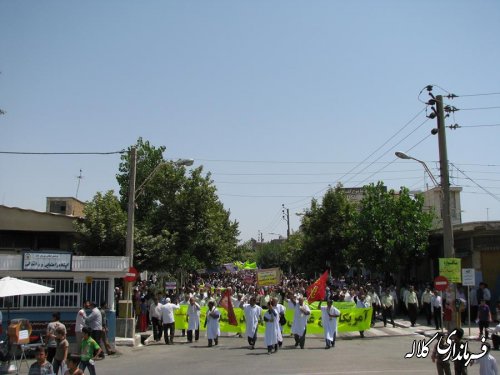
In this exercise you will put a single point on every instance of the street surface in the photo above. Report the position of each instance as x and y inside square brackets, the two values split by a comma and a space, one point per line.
[382, 351]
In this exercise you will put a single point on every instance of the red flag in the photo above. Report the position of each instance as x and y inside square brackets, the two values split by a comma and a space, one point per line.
[227, 303]
[316, 291]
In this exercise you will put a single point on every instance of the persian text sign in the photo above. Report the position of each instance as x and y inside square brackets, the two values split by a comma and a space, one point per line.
[451, 268]
[35, 261]
[268, 277]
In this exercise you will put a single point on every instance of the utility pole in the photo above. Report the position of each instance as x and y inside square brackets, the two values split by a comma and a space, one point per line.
[129, 249]
[286, 216]
[448, 245]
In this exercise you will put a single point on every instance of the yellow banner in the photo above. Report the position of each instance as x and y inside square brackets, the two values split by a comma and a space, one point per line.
[351, 319]
[268, 277]
[451, 268]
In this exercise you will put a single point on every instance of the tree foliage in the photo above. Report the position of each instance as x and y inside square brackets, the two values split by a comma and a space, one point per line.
[391, 229]
[181, 223]
[104, 229]
[327, 229]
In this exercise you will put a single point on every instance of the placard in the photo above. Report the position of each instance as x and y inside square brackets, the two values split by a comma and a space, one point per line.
[47, 261]
[451, 269]
[468, 277]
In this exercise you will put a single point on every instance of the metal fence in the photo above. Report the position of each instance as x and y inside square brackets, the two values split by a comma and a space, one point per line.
[66, 294]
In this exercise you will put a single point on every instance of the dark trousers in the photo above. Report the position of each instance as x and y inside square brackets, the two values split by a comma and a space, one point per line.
[437, 317]
[51, 352]
[300, 340]
[443, 368]
[428, 313]
[157, 328]
[86, 364]
[412, 313]
[483, 325]
[495, 339]
[97, 336]
[168, 331]
[190, 335]
[387, 312]
[252, 340]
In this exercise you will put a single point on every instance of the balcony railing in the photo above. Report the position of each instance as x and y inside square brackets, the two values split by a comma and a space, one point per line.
[79, 263]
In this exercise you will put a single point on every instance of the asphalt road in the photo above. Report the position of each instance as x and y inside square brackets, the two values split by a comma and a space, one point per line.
[380, 355]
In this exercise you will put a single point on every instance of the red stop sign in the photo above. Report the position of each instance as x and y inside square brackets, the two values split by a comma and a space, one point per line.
[131, 275]
[441, 283]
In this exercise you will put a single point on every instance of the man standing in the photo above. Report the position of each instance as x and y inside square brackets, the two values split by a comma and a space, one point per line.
[329, 315]
[104, 335]
[437, 309]
[193, 315]
[252, 318]
[426, 304]
[388, 307]
[79, 324]
[483, 318]
[94, 321]
[300, 316]
[168, 320]
[273, 331]
[411, 304]
[155, 317]
[212, 323]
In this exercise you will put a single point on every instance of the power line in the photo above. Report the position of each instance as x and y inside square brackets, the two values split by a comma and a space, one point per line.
[478, 185]
[478, 108]
[482, 94]
[475, 126]
[62, 153]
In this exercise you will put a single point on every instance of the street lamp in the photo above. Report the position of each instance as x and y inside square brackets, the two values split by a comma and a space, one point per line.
[133, 193]
[402, 155]
[448, 250]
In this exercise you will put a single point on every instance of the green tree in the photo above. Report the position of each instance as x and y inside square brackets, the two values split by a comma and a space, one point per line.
[103, 230]
[271, 254]
[391, 229]
[327, 233]
[181, 223]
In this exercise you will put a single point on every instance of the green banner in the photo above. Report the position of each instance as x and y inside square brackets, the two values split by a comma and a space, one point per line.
[351, 319]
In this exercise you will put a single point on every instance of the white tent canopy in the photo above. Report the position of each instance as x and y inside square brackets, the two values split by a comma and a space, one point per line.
[10, 286]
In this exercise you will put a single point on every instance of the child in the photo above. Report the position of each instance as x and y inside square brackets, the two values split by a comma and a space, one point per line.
[61, 350]
[90, 351]
[41, 366]
[73, 362]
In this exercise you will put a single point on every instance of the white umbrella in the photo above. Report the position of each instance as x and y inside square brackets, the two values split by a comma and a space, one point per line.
[10, 286]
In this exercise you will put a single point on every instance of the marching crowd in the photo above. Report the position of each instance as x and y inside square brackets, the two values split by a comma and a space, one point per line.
[156, 307]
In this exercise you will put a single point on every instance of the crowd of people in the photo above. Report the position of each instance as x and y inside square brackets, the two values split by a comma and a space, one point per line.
[155, 307]
[412, 300]
[91, 336]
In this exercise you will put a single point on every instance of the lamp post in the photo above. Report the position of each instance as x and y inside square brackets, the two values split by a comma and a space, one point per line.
[133, 193]
[448, 250]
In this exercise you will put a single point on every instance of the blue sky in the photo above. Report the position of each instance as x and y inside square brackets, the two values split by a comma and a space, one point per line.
[277, 99]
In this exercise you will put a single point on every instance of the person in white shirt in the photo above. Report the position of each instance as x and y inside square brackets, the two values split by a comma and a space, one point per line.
[193, 315]
[300, 317]
[437, 309]
[329, 315]
[281, 311]
[273, 331]
[79, 324]
[212, 323]
[495, 337]
[168, 320]
[155, 318]
[253, 314]
[487, 363]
